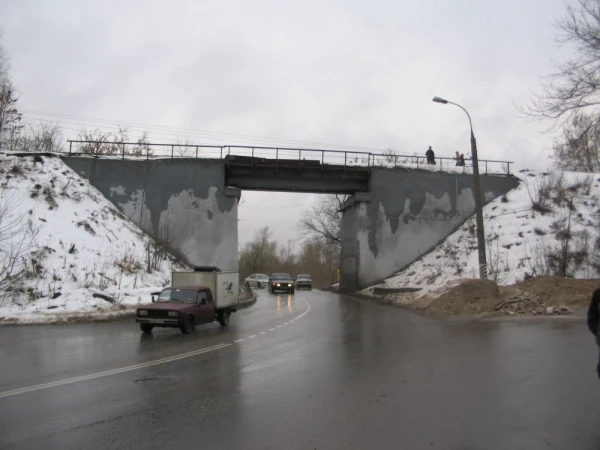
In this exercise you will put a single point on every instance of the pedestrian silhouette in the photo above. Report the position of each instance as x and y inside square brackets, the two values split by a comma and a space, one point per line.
[430, 156]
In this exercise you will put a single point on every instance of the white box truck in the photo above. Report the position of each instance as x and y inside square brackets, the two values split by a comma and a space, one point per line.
[194, 297]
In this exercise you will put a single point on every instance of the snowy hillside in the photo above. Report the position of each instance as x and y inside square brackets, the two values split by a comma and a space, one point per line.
[548, 225]
[69, 244]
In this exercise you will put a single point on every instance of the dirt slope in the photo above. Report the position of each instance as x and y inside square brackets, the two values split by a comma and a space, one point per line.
[532, 297]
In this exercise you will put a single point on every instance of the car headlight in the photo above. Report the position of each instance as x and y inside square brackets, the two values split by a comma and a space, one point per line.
[278, 285]
[173, 314]
[142, 312]
[289, 285]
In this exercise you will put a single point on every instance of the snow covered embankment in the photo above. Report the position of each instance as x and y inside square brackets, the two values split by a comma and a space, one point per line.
[548, 226]
[65, 250]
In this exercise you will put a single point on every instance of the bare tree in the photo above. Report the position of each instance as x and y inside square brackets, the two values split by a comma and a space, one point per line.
[579, 146]
[571, 95]
[10, 117]
[142, 147]
[97, 142]
[323, 220]
[576, 83]
[183, 147]
[259, 255]
[17, 236]
[287, 258]
[44, 137]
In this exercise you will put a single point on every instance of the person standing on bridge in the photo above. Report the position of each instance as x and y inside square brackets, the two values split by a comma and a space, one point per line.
[593, 320]
[430, 156]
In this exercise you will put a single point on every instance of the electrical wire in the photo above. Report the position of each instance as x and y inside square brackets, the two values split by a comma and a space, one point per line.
[175, 131]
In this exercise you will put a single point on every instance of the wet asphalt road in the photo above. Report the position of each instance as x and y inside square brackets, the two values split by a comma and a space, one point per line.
[343, 374]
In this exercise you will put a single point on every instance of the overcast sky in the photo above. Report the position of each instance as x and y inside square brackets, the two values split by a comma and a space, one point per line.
[345, 73]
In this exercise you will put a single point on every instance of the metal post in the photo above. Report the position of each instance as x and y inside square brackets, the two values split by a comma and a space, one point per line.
[172, 150]
[70, 146]
[196, 152]
[123, 150]
[478, 211]
[477, 193]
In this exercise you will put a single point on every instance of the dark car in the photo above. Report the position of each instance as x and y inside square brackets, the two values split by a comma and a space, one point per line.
[303, 281]
[281, 282]
[181, 307]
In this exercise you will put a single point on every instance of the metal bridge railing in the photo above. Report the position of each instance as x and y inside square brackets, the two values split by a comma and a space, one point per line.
[304, 156]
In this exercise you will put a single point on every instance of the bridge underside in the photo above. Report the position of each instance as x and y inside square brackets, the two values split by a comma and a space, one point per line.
[309, 176]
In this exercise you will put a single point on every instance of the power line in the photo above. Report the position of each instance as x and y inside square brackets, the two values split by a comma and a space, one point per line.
[191, 132]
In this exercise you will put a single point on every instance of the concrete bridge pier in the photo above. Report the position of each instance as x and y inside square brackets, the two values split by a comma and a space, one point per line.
[404, 215]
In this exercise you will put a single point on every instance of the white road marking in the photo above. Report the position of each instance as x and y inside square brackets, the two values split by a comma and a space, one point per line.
[262, 332]
[107, 373]
[112, 372]
[239, 340]
[271, 329]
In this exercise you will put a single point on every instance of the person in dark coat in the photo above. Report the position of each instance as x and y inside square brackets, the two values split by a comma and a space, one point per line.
[430, 156]
[593, 320]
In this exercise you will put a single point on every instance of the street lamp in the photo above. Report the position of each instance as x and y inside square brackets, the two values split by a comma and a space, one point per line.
[477, 189]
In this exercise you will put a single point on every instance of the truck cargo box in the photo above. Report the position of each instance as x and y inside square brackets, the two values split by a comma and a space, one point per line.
[223, 285]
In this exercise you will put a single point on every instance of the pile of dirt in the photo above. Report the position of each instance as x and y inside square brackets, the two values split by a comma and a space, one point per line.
[472, 297]
[533, 297]
[547, 296]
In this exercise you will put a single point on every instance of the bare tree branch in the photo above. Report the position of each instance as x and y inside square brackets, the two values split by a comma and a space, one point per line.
[575, 86]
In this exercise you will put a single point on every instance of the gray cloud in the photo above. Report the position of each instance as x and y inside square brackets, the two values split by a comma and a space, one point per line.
[342, 72]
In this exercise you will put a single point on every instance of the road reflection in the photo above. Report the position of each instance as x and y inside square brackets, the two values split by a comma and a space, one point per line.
[283, 301]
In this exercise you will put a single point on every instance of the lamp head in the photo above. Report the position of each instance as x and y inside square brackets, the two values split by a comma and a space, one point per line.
[440, 100]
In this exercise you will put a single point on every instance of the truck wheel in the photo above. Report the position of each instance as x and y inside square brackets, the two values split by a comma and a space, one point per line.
[146, 328]
[188, 325]
[224, 318]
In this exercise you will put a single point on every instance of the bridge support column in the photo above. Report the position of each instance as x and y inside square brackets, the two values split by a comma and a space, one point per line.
[353, 216]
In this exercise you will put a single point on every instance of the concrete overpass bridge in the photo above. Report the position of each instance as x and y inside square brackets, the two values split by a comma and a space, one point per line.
[398, 207]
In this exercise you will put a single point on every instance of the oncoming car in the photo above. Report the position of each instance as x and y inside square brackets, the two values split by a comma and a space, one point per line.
[303, 281]
[258, 280]
[281, 282]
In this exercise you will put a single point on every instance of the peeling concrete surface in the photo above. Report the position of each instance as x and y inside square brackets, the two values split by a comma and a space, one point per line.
[408, 214]
[181, 202]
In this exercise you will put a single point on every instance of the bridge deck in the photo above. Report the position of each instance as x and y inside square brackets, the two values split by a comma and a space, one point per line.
[294, 175]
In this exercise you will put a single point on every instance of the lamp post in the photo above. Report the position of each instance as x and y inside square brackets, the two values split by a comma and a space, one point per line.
[477, 189]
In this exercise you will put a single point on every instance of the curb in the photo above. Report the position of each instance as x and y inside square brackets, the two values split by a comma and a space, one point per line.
[248, 303]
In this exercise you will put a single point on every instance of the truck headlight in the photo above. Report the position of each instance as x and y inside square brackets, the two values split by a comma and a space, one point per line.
[173, 313]
[142, 312]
